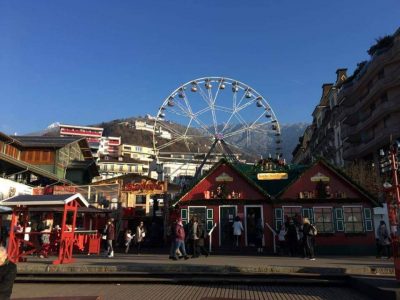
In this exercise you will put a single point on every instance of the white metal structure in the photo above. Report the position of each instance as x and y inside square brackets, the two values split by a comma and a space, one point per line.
[216, 112]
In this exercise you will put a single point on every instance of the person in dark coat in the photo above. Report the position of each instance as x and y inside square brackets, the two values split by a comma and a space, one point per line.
[8, 272]
[110, 232]
[292, 237]
[202, 235]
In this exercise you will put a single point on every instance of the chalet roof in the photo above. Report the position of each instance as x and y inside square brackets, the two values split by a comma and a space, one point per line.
[45, 141]
[340, 174]
[43, 200]
[236, 167]
[273, 187]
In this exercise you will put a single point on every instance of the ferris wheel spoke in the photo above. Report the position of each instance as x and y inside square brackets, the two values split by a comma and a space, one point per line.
[214, 117]
[188, 126]
[186, 110]
[170, 129]
[204, 126]
[250, 102]
[236, 132]
[189, 108]
[204, 96]
[256, 120]
[241, 99]
[180, 112]
[223, 108]
[171, 142]
[202, 111]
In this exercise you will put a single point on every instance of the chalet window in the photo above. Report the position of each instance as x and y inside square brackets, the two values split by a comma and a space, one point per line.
[291, 211]
[278, 218]
[339, 219]
[308, 213]
[323, 219]
[353, 221]
[368, 219]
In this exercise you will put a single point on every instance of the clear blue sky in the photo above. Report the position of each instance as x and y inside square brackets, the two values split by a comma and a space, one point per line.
[83, 62]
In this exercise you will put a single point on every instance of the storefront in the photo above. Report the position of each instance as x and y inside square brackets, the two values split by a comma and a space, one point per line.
[341, 210]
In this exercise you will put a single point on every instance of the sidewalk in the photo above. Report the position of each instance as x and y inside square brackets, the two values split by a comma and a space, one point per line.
[214, 264]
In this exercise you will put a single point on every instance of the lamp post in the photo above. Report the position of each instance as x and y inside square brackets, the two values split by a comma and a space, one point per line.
[393, 201]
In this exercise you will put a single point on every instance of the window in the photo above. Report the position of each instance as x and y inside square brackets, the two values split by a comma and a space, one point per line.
[368, 219]
[323, 219]
[291, 211]
[138, 149]
[140, 199]
[339, 219]
[278, 218]
[308, 213]
[353, 221]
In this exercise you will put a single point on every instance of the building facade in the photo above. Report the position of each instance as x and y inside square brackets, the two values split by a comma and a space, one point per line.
[358, 115]
[341, 211]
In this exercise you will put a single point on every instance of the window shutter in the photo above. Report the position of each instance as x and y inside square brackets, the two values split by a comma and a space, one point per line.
[278, 218]
[339, 219]
[368, 219]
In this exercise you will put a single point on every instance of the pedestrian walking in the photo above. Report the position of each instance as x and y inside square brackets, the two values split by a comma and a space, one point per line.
[8, 272]
[237, 230]
[171, 236]
[45, 237]
[110, 235]
[292, 237]
[194, 237]
[202, 235]
[308, 239]
[180, 240]
[259, 234]
[384, 240]
[140, 235]
[128, 239]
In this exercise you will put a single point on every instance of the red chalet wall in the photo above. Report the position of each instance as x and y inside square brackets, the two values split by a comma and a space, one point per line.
[304, 183]
[209, 183]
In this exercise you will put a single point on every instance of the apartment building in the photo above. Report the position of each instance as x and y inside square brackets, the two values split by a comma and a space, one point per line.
[357, 115]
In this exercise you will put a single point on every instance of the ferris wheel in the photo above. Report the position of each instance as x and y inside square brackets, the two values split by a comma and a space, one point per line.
[219, 114]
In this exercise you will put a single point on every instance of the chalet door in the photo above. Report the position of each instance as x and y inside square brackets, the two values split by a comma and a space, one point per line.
[253, 214]
[226, 219]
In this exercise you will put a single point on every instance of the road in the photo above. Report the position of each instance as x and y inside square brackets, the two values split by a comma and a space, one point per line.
[176, 292]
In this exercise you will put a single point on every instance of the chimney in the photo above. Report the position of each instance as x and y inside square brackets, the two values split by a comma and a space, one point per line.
[341, 75]
[325, 89]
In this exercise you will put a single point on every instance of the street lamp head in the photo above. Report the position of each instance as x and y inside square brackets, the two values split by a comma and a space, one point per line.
[381, 153]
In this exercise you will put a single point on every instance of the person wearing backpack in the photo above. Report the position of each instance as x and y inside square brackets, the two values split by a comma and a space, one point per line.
[309, 231]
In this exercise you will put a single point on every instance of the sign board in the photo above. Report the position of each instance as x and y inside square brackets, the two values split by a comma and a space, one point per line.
[320, 177]
[9, 188]
[224, 178]
[144, 186]
[272, 176]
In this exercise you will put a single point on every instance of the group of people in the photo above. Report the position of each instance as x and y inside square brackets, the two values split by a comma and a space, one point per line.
[109, 235]
[187, 239]
[255, 232]
[297, 238]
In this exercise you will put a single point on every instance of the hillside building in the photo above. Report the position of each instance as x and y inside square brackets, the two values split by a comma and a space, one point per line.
[43, 160]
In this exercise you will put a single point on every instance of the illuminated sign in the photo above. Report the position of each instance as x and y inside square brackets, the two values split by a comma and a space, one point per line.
[144, 185]
[272, 176]
[223, 178]
[320, 177]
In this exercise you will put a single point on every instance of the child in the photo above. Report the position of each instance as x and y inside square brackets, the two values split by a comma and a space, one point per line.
[128, 239]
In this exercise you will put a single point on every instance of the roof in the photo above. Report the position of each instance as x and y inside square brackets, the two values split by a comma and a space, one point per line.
[235, 168]
[273, 187]
[45, 141]
[33, 169]
[44, 200]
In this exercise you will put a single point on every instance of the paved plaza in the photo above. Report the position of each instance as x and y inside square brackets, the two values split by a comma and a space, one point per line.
[361, 265]
[176, 292]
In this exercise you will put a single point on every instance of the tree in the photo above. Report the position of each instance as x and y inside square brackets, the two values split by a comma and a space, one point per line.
[365, 175]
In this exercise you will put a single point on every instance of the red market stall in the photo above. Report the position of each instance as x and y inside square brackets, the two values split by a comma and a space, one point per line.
[66, 235]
